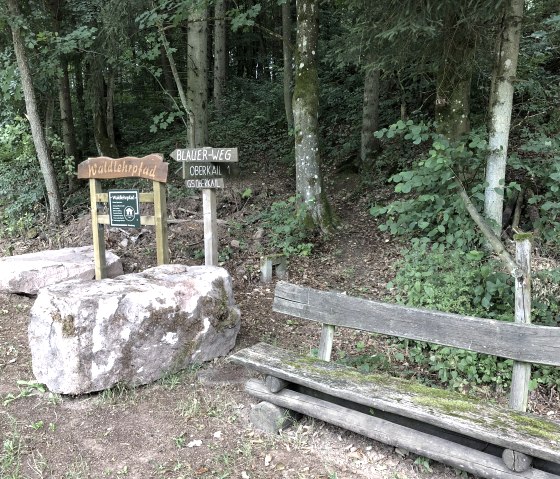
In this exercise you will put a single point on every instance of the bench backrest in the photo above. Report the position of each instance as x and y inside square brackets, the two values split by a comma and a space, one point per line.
[521, 342]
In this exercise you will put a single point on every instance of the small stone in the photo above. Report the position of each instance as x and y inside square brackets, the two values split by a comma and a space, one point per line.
[270, 418]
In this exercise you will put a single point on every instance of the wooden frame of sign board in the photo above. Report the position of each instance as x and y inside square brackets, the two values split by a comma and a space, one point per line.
[207, 178]
[151, 167]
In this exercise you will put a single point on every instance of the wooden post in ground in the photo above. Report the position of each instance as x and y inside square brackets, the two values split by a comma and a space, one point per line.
[522, 371]
[98, 231]
[210, 227]
[160, 218]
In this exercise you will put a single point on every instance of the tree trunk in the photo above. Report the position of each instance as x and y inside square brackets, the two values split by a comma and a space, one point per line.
[501, 103]
[197, 75]
[67, 121]
[220, 63]
[309, 180]
[370, 119]
[453, 89]
[110, 108]
[47, 169]
[287, 54]
[80, 101]
[97, 85]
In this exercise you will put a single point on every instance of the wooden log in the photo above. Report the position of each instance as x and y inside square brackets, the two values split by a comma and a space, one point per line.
[539, 344]
[521, 374]
[527, 433]
[455, 455]
[516, 461]
[275, 384]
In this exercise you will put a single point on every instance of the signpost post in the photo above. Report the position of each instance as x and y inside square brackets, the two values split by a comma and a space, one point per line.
[204, 170]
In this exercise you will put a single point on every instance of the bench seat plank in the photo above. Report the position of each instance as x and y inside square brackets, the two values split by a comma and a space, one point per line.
[522, 432]
[522, 342]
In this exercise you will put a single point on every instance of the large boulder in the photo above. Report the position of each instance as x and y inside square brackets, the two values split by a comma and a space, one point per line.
[87, 336]
[28, 273]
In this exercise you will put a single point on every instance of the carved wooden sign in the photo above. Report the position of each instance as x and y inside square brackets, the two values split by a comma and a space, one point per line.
[205, 155]
[152, 167]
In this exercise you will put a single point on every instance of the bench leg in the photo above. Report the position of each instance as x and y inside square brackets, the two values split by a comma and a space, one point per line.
[270, 418]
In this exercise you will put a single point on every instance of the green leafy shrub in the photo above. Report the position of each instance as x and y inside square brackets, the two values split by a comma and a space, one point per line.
[431, 210]
[285, 228]
[468, 284]
[21, 185]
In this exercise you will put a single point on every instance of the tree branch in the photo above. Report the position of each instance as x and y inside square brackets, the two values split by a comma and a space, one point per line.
[491, 237]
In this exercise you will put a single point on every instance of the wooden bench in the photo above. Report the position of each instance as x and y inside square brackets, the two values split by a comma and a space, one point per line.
[474, 435]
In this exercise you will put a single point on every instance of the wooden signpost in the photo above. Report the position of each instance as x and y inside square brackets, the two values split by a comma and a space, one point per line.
[204, 171]
[123, 204]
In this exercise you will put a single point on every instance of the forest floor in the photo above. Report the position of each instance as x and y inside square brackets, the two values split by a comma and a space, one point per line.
[195, 424]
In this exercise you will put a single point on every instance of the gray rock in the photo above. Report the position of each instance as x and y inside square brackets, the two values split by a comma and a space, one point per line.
[87, 336]
[27, 273]
[271, 418]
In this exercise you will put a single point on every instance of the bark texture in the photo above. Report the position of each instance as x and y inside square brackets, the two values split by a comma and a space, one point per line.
[309, 180]
[105, 147]
[501, 103]
[453, 88]
[220, 63]
[67, 121]
[197, 76]
[47, 169]
[287, 55]
[370, 118]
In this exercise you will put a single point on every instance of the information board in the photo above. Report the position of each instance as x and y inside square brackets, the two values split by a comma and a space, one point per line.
[124, 208]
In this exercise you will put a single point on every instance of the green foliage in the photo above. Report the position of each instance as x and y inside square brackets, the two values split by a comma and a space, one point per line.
[432, 211]
[285, 229]
[21, 190]
[468, 284]
[454, 281]
[538, 161]
[251, 121]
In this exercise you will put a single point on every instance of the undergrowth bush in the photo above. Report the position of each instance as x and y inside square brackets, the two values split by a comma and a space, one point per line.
[285, 228]
[21, 184]
[445, 269]
[468, 284]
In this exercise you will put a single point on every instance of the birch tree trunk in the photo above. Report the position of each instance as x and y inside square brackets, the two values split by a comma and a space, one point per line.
[47, 169]
[220, 63]
[309, 180]
[287, 54]
[197, 75]
[370, 118]
[501, 103]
